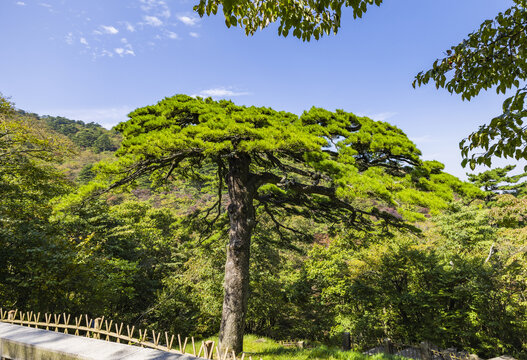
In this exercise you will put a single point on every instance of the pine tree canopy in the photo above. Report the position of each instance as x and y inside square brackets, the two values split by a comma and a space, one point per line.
[327, 165]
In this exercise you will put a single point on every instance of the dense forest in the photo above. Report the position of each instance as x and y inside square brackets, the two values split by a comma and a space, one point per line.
[442, 261]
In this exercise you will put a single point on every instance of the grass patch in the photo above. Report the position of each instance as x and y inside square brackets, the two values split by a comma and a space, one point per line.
[267, 349]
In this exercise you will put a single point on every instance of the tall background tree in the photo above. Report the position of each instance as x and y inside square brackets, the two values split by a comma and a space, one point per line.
[498, 181]
[70, 265]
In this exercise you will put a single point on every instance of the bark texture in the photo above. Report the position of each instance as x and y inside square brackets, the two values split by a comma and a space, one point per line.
[242, 220]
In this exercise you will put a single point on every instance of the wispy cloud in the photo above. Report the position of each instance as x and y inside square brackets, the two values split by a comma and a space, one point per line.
[151, 4]
[147, 4]
[193, 34]
[152, 20]
[69, 38]
[45, 5]
[108, 30]
[126, 49]
[129, 27]
[383, 116]
[187, 20]
[20, 3]
[109, 48]
[104, 53]
[154, 23]
[172, 35]
[122, 52]
[156, 7]
[424, 139]
[221, 92]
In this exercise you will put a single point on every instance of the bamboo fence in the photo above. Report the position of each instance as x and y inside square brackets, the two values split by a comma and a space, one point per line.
[101, 328]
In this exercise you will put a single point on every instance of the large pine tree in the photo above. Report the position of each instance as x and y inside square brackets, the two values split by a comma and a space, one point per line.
[329, 166]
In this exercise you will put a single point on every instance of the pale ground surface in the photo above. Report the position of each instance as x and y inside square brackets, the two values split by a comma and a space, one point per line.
[20, 342]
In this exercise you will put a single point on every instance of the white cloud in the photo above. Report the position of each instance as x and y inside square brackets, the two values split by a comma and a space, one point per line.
[221, 92]
[45, 5]
[193, 34]
[69, 38]
[122, 51]
[187, 20]
[106, 53]
[108, 30]
[148, 4]
[152, 20]
[156, 7]
[172, 35]
[165, 13]
[83, 41]
[21, 3]
[126, 49]
[129, 27]
[107, 117]
[424, 139]
[383, 116]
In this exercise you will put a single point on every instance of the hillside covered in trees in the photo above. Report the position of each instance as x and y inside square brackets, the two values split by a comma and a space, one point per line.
[401, 249]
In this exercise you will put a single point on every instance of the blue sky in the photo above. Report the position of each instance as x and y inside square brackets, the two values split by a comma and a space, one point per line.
[97, 60]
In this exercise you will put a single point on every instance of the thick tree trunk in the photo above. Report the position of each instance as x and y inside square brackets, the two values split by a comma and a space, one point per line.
[236, 285]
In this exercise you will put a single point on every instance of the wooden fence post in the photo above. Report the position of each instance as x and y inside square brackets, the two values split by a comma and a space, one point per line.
[346, 341]
[388, 346]
[209, 348]
[424, 347]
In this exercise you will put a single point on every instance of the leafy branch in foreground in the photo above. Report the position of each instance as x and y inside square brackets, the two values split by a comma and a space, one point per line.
[493, 56]
[307, 19]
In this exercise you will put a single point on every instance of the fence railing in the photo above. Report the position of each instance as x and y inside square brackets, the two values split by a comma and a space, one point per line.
[104, 329]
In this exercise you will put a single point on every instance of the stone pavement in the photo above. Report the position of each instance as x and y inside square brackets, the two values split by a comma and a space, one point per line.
[24, 343]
